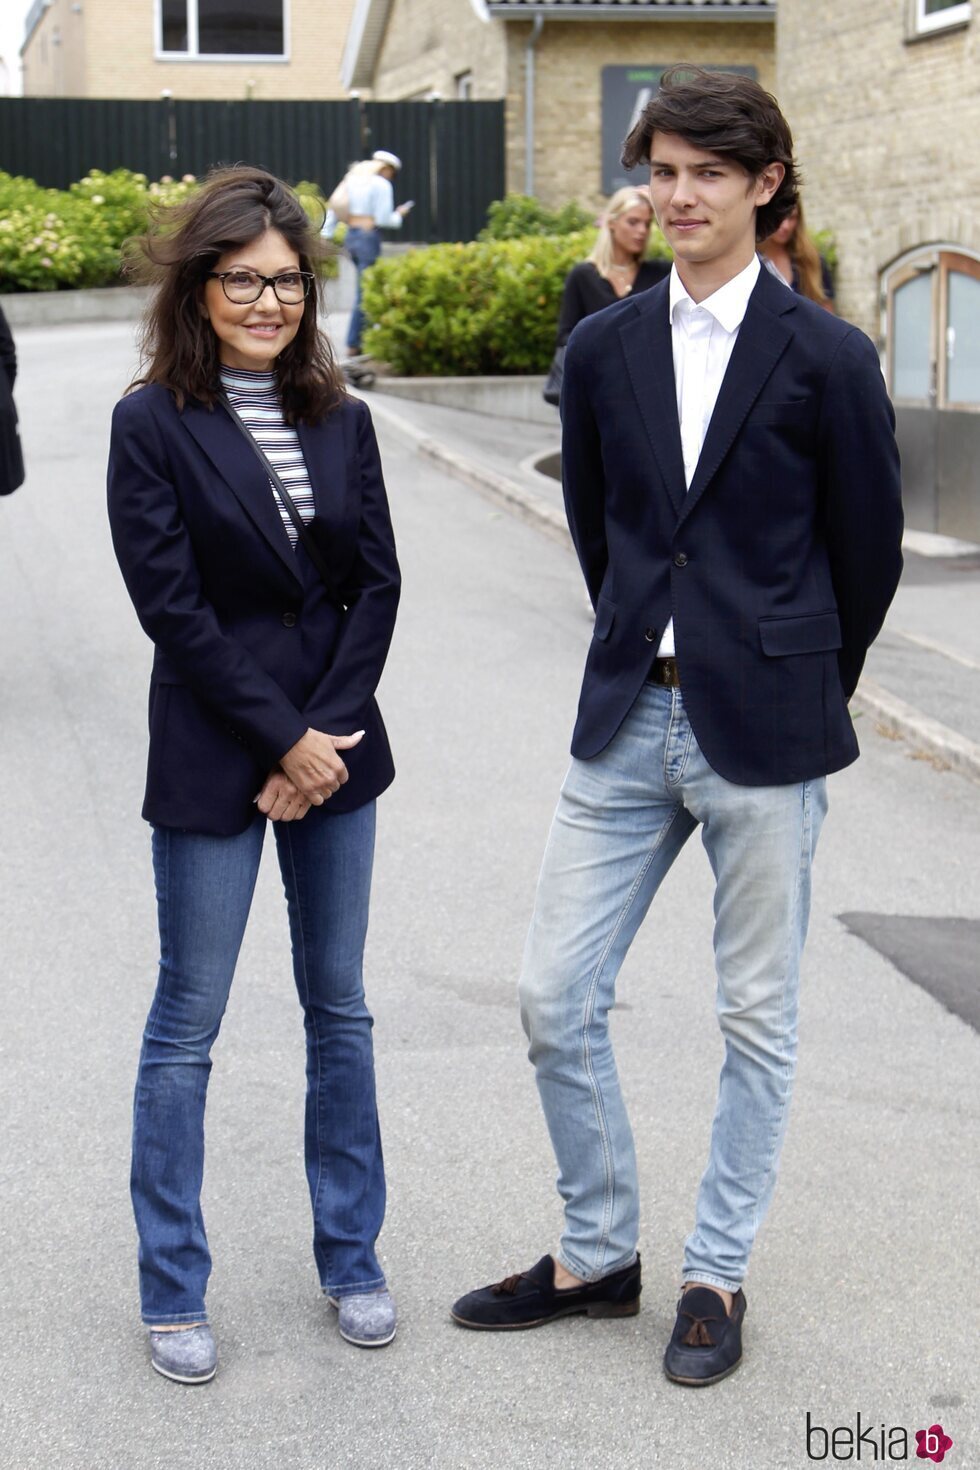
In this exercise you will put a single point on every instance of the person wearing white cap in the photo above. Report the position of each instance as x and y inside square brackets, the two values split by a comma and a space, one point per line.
[366, 200]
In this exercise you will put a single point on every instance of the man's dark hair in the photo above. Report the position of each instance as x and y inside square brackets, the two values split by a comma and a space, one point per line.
[179, 347]
[727, 114]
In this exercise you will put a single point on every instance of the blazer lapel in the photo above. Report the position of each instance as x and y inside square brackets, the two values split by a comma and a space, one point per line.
[243, 473]
[325, 452]
[762, 340]
[650, 364]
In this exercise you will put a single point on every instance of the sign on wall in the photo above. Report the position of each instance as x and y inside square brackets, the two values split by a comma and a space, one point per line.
[626, 90]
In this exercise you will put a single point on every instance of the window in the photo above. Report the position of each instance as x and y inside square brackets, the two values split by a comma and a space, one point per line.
[464, 86]
[938, 15]
[221, 29]
[932, 303]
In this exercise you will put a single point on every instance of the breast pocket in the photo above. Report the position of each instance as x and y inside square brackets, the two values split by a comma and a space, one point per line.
[792, 411]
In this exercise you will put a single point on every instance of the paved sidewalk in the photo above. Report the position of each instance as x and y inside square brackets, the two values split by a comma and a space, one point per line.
[922, 678]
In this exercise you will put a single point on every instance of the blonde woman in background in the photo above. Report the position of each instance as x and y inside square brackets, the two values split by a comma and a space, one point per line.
[797, 259]
[615, 266]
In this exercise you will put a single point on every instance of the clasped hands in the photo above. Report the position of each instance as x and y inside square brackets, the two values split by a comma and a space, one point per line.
[308, 775]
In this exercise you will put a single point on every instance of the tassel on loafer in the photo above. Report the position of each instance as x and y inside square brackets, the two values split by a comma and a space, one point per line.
[530, 1299]
[706, 1344]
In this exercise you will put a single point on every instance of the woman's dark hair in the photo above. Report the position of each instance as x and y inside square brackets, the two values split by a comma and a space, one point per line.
[727, 114]
[179, 348]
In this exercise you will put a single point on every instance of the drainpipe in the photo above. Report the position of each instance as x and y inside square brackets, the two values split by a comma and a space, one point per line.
[532, 41]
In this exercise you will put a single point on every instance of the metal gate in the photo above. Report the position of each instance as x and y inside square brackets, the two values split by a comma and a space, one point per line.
[452, 152]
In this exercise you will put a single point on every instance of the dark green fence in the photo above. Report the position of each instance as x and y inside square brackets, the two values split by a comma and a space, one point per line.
[452, 152]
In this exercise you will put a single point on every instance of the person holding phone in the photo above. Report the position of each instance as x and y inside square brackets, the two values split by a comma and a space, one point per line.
[367, 199]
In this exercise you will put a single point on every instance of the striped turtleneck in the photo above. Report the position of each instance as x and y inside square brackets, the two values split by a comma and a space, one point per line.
[255, 399]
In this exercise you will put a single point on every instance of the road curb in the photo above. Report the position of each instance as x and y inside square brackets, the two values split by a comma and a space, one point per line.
[496, 487]
[900, 718]
[893, 714]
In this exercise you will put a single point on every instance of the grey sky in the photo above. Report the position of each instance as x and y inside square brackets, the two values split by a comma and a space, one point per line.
[12, 13]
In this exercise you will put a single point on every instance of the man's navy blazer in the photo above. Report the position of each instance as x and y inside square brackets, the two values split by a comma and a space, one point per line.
[777, 564]
[252, 647]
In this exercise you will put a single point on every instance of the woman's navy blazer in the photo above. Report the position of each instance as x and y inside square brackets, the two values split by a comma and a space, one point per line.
[252, 648]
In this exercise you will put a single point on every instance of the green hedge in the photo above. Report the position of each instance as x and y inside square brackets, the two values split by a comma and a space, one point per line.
[490, 307]
[518, 215]
[51, 239]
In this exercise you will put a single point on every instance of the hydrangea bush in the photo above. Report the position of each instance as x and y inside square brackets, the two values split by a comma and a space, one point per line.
[56, 238]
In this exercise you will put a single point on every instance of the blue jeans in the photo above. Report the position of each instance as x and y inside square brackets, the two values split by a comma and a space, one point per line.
[363, 247]
[622, 818]
[204, 891]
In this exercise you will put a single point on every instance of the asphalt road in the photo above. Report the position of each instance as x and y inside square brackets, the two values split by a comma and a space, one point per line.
[861, 1295]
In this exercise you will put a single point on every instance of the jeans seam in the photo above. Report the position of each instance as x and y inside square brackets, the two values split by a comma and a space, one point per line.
[685, 754]
[787, 1079]
[311, 1012]
[609, 1184]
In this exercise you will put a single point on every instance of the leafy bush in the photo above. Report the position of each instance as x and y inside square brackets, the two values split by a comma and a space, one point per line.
[520, 214]
[490, 307]
[464, 310]
[55, 238]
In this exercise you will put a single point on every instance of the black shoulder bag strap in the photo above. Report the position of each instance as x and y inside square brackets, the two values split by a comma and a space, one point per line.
[302, 529]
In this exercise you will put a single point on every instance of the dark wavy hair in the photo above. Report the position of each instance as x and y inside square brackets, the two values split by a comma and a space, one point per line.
[727, 114]
[178, 346]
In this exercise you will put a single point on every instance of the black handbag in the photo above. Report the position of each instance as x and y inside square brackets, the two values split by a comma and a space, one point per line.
[302, 529]
[551, 392]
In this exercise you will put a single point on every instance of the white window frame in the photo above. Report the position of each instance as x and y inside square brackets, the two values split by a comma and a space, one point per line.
[463, 82]
[925, 25]
[194, 56]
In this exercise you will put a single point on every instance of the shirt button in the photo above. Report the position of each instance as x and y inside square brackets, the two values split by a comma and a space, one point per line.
[289, 620]
[680, 560]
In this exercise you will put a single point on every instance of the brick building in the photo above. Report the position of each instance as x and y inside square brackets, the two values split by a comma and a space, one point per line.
[270, 50]
[572, 71]
[884, 102]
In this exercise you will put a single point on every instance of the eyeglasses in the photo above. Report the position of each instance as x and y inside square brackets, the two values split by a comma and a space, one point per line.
[244, 287]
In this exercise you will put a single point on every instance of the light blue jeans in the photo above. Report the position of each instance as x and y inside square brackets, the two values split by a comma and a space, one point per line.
[622, 818]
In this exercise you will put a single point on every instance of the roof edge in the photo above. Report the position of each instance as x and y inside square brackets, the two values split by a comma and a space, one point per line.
[364, 36]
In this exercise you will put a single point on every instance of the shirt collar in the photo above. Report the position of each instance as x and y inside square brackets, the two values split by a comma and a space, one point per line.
[728, 304]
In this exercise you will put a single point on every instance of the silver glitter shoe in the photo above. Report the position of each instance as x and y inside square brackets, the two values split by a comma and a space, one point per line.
[367, 1318]
[186, 1357]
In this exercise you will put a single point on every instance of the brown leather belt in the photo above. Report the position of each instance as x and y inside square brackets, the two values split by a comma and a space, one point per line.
[664, 672]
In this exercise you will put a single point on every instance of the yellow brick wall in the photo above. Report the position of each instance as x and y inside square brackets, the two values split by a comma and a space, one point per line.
[119, 44]
[886, 133]
[54, 60]
[569, 58]
[428, 43]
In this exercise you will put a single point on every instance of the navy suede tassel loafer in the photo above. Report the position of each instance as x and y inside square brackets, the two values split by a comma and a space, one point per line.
[706, 1343]
[529, 1299]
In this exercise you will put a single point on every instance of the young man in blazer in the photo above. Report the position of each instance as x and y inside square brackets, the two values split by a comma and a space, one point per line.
[732, 486]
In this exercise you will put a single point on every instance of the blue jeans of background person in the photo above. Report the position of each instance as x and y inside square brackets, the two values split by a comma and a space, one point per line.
[363, 247]
[621, 820]
[204, 890]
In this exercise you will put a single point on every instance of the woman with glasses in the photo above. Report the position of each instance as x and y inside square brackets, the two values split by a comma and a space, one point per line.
[249, 518]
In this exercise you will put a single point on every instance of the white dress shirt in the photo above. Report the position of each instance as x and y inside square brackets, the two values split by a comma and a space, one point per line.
[702, 336]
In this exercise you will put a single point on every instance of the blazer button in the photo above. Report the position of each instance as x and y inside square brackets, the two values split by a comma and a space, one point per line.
[289, 620]
[650, 635]
[680, 560]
